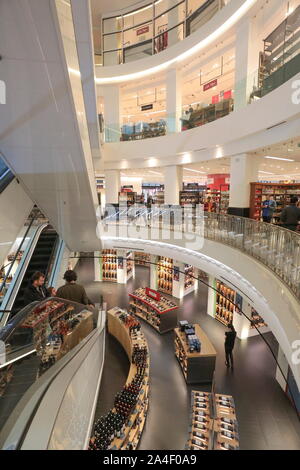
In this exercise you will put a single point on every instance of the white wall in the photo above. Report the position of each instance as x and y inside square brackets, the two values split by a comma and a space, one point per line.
[15, 207]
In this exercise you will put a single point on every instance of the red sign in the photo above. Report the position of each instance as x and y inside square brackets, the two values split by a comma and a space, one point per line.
[153, 294]
[227, 95]
[143, 30]
[215, 99]
[210, 85]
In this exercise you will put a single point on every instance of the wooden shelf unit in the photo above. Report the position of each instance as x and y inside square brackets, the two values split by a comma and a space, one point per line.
[224, 309]
[165, 275]
[197, 367]
[282, 194]
[133, 429]
[142, 259]
[109, 265]
[161, 318]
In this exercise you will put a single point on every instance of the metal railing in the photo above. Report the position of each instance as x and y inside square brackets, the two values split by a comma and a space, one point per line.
[275, 247]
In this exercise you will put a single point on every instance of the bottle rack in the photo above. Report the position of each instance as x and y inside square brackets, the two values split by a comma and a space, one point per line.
[142, 259]
[282, 194]
[159, 198]
[192, 197]
[160, 314]
[126, 329]
[257, 320]
[189, 281]
[165, 275]
[197, 366]
[214, 424]
[109, 265]
[224, 308]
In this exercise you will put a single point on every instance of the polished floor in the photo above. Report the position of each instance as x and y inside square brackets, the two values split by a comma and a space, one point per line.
[266, 417]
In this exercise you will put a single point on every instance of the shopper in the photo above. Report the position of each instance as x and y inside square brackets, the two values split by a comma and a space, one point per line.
[73, 291]
[36, 290]
[51, 291]
[269, 207]
[229, 345]
[290, 216]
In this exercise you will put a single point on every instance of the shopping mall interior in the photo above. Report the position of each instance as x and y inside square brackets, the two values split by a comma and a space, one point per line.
[150, 225]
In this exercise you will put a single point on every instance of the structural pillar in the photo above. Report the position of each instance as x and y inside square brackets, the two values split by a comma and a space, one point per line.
[112, 186]
[211, 300]
[243, 171]
[174, 100]
[112, 114]
[248, 46]
[173, 184]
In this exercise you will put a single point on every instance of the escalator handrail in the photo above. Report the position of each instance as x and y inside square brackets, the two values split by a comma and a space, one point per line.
[16, 255]
[21, 418]
[13, 289]
[57, 263]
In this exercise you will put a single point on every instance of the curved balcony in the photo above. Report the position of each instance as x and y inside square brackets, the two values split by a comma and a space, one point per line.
[275, 247]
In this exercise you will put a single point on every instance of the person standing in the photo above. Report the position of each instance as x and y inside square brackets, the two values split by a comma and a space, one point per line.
[36, 290]
[269, 207]
[290, 216]
[73, 291]
[229, 345]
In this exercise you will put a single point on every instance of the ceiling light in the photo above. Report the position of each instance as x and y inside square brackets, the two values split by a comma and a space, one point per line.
[201, 45]
[266, 172]
[195, 171]
[283, 159]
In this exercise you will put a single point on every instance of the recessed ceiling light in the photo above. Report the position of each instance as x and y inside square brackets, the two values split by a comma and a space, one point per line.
[266, 172]
[283, 159]
[195, 171]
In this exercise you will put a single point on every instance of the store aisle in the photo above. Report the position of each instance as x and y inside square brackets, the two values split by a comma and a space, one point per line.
[265, 415]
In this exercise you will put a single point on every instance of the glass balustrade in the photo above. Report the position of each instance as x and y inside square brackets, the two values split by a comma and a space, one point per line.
[275, 247]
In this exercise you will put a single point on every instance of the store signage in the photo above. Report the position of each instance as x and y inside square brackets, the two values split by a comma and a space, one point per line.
[146, 107]
[227, 95]
[238, 303]
[143, 30]
[210, 85]
[215, 99]
[153, 294]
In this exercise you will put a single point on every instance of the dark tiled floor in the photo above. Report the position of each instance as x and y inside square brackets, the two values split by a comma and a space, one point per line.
[265, 415]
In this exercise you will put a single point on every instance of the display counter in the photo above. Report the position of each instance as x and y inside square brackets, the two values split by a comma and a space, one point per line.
[213, 422]
[197, 367]
[122, 427]
[155, 309]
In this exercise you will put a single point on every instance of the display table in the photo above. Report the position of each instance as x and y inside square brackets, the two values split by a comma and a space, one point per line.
[197, 367]
[213, 422]
[134, 426]
[155, 309]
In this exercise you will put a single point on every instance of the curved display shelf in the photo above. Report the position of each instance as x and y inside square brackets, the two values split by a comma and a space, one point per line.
[126, 329]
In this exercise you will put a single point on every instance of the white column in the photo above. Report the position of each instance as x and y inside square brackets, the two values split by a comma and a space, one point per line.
[284, 367]
[112, 115]
[248, 46]
[211, 301]
[173, 184]
[243, 171]
[240, 322]
[112, 186]
[153, 272]
[97, 266]
[174, 100]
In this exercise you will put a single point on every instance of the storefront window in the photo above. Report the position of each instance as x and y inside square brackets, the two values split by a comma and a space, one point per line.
[110, 25]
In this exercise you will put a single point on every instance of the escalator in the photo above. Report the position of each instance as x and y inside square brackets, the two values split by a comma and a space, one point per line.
[40, 261]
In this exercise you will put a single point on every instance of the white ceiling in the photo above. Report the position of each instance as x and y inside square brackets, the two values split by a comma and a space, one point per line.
[39, 130]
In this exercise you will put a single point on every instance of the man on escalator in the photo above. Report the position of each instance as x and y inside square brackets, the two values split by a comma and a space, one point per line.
[36, 290]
